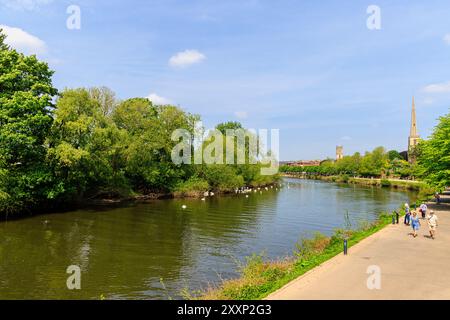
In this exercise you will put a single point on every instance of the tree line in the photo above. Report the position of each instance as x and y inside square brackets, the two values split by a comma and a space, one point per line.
[377, 163]
[64, 147]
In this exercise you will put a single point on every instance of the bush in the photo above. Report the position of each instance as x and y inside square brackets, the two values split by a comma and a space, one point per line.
[222, 177]
[194, 186]
[385, 183]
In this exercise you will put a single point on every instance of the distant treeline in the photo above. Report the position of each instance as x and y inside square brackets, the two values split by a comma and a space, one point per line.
[375, 164]
[63, 148]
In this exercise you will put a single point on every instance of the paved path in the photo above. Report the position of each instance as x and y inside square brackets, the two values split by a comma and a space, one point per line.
[411, 268]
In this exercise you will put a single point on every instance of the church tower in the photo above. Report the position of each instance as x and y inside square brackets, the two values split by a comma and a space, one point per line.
[413, 136]
[339, 152]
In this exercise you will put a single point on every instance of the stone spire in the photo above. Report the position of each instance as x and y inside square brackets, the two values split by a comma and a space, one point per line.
[413, 136]
[413, 131]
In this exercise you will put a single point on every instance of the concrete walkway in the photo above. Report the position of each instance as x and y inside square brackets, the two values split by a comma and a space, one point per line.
[410, 268]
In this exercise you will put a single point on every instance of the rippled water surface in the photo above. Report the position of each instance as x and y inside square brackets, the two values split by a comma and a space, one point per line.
[154, 250]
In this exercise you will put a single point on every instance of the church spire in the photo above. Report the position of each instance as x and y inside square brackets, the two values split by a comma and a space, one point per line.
[413, 131]
[413, 136]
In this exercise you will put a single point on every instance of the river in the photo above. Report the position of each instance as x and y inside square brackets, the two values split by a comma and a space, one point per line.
[155, 250]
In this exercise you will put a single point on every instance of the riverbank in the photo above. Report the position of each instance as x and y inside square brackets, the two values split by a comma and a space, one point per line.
[394, 183]
[409, 268]
[135, 198]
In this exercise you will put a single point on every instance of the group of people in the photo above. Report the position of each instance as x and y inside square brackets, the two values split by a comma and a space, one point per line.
[412, 218]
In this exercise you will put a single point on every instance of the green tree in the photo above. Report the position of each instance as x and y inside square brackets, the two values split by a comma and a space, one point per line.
[434, 155]
[105, 97]
[149, 164]
[26, 94]
[394, 154]
[85, 147]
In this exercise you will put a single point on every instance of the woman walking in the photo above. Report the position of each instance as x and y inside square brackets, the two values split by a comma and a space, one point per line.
[415, 223]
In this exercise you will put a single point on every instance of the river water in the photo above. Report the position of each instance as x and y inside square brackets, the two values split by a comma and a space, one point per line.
[157, 249]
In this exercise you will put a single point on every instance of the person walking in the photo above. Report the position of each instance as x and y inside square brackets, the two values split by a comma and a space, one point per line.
[438, 198]
[415, 223]
[432, 220]
[423, 210]
[406, 221]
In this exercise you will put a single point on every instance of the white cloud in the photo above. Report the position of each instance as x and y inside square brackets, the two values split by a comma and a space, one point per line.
[23, 41]
[241, 114]
[447, 39]
[158, 100]
[428, 101]
[24, 4]
[437, 87]
[186, 58]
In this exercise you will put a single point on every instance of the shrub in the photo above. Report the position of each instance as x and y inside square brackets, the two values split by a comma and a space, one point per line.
[385, 183]
[194, 186]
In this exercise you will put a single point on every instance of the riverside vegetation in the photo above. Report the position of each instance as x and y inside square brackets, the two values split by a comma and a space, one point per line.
[63, 148]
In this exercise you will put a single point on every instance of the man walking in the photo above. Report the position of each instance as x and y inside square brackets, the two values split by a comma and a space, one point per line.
[438, 198]
[432, 220]
[407, 215]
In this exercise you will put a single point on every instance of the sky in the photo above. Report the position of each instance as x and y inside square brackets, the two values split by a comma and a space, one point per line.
[312, 69]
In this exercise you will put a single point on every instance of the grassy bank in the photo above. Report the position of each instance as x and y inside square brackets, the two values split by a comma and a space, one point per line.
[394, 183]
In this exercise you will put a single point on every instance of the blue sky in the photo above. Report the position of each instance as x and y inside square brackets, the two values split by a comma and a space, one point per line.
[311, 69]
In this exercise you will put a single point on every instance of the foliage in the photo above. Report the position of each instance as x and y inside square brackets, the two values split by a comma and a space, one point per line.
[377, 163]
[26, 94]
[433, 155]
[194, 186]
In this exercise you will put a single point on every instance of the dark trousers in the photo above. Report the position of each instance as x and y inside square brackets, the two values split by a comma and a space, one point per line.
[407, 218]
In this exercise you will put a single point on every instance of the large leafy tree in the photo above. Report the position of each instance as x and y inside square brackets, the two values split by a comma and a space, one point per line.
[148, 154]
[86, 146]
[26, 94]
[434, 155]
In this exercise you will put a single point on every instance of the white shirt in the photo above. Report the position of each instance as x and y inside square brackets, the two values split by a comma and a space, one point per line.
[432, 220]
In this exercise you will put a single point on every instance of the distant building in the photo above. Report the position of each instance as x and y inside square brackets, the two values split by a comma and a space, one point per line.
[414, 137]
[304, 163]
[339, 152]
